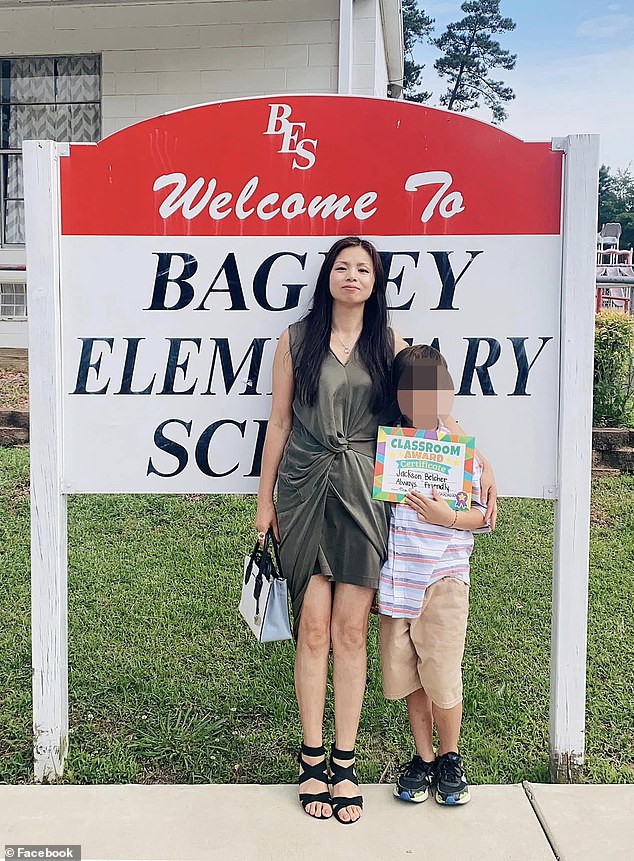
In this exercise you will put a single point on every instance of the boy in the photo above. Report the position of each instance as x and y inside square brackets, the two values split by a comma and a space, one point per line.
[424, 596]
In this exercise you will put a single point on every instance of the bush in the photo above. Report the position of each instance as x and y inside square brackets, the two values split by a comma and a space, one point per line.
[613, 369]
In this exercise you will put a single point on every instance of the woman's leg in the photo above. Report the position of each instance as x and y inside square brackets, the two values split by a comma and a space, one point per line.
[311, 672]
[349, 633]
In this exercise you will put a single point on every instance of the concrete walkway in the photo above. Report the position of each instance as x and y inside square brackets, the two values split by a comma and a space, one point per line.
[530, 822]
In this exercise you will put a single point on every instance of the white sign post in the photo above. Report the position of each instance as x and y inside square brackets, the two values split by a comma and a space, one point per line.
[48, 504]
[574, 458]
[164, 263]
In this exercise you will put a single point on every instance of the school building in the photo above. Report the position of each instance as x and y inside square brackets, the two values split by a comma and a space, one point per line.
[76, 71]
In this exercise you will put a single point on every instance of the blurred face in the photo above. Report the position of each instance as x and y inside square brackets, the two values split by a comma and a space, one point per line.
[352, 276]
[425, 394]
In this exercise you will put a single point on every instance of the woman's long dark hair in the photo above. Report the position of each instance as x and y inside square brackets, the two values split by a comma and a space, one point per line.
[375, 345]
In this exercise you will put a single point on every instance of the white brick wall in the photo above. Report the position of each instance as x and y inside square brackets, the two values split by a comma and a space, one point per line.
[158, 57]
[323, 55]
[14, 333]
[286, 56]
[315, 79]
[162, 56]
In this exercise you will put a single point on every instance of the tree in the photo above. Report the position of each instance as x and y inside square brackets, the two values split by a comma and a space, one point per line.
[417, 26]
[616, 201]
[607, 197]
[470, 54]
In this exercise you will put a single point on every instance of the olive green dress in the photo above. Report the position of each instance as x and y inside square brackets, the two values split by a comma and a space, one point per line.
[328, 521]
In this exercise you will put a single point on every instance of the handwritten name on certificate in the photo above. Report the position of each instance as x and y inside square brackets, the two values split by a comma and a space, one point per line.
[411, 459]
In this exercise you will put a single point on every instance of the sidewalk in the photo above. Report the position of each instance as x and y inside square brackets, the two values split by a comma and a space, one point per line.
[266, 823]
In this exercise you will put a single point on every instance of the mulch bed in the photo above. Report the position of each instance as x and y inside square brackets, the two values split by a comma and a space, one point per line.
[14, 390]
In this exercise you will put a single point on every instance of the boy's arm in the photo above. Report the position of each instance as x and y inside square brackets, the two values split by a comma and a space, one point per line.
[472, 519]
[436, 510]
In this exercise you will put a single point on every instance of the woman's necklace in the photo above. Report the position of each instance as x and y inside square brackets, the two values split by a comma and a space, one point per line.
[346, 348]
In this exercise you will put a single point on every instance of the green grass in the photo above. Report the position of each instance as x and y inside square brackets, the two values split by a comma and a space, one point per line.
[166, 684]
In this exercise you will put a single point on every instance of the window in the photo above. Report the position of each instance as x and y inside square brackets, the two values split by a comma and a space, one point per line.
[13, 301]
[45, 98]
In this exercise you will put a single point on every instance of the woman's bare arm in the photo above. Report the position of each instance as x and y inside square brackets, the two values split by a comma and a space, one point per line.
[399, 342]
[487, 481]
[277, 432]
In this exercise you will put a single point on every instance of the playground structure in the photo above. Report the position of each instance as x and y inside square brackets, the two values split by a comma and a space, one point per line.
[615, 273]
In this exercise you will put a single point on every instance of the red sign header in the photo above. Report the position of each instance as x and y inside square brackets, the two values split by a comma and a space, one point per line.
[311, 165]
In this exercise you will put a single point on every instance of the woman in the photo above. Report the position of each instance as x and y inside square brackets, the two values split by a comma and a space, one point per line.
[331, 391]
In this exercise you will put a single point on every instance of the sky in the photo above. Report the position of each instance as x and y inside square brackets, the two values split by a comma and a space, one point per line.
[574, 70]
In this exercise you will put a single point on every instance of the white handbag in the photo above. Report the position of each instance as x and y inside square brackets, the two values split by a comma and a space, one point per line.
[264, 600]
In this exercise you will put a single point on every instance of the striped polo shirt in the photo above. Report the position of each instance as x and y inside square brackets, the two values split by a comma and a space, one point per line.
[419, 554]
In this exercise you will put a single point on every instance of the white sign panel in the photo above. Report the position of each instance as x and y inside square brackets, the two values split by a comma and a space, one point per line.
[179, 275]
[165, 261]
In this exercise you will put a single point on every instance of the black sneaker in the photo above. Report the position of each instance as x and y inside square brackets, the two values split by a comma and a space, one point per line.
[451, 784]
[415, 780]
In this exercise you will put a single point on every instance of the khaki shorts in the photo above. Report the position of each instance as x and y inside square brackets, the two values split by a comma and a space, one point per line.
[427, 652]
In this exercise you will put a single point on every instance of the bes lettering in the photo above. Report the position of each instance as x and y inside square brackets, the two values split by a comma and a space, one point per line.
[303, 148]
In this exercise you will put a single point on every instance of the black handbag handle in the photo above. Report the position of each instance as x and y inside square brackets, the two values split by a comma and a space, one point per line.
[261, 552]
[257, 554]
[278, 574]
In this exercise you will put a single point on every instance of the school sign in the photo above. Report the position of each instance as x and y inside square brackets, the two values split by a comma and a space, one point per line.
[165, 261]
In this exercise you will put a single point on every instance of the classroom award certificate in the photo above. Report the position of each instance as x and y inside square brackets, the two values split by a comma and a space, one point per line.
[412, 459]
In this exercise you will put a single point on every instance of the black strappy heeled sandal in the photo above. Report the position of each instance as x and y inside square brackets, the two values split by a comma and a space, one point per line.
[339, 773]
[316, 772]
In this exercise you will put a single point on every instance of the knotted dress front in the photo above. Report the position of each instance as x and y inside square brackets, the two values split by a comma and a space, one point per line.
[328, 521]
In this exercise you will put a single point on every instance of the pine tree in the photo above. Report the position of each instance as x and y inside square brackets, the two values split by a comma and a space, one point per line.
[469, 54]
[608, 202]
[416, 27]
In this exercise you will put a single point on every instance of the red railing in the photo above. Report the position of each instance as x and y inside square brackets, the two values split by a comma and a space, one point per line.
[607, 299]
